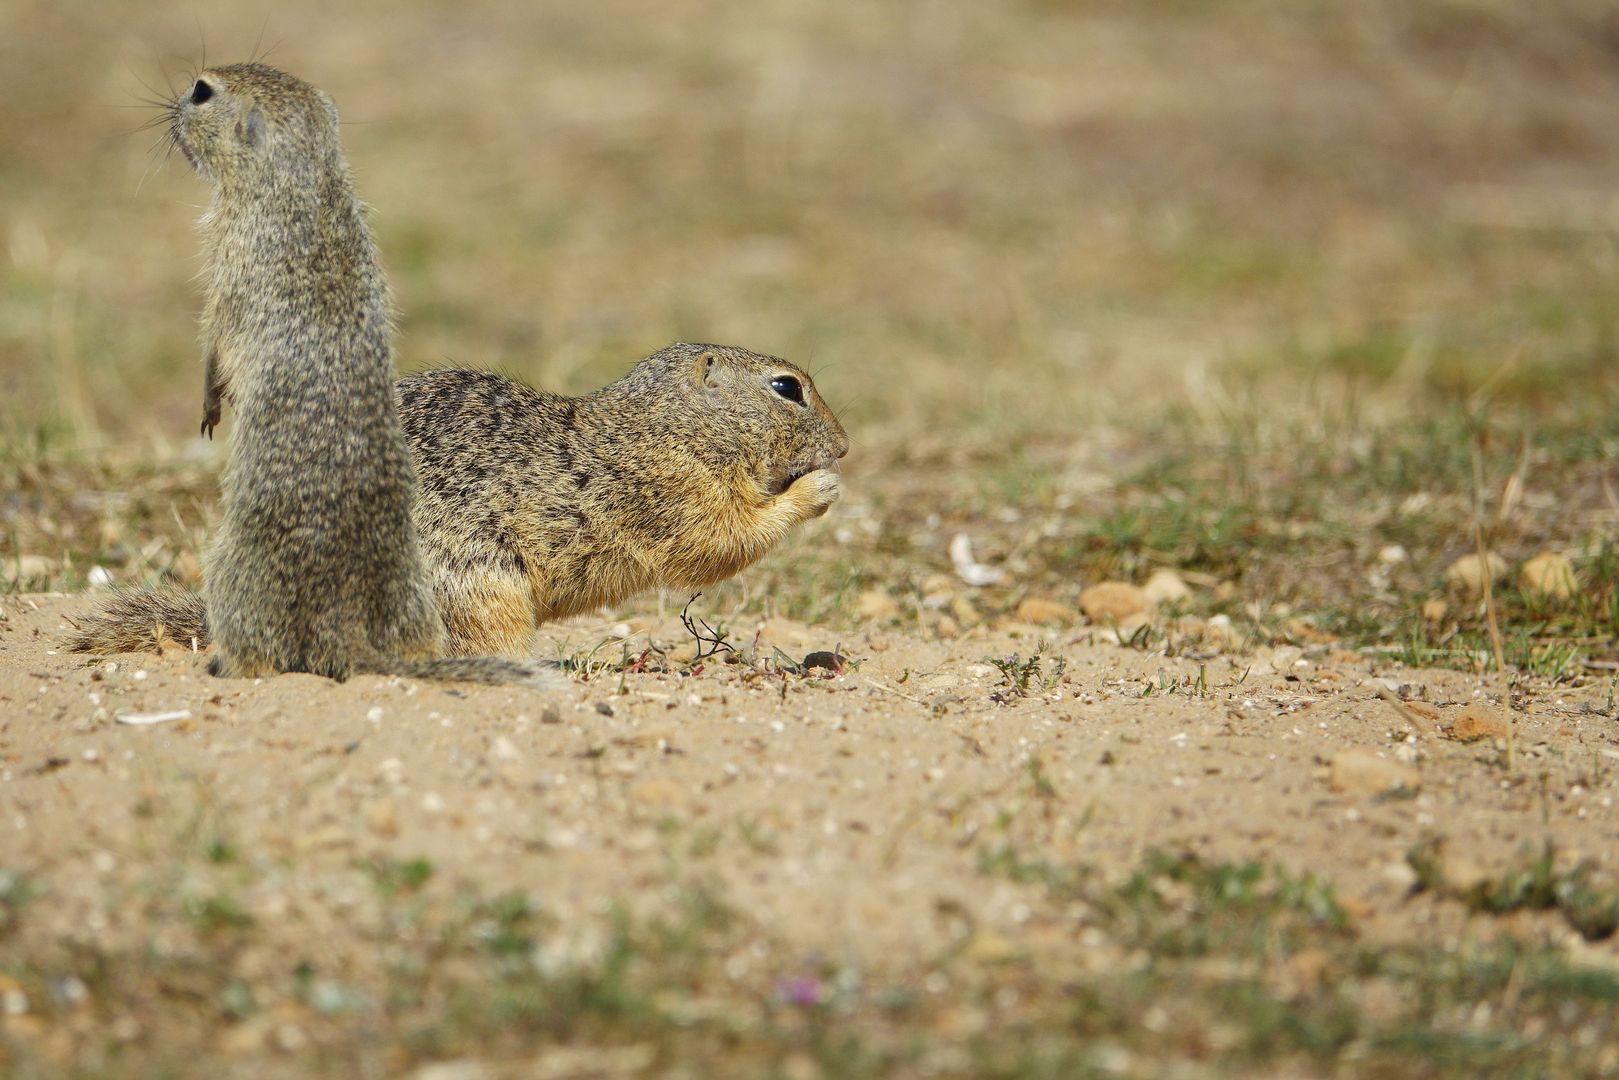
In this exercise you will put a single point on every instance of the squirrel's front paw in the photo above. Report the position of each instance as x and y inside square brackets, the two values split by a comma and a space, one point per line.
[820, 489]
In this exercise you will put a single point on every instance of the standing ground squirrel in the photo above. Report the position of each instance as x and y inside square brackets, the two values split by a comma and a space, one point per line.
[535, 506]
[316, 565]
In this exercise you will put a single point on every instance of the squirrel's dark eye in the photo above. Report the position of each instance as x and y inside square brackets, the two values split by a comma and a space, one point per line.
[789, 388]
[201, 92]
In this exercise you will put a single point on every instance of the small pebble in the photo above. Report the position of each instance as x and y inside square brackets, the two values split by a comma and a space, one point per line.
[1466, 575]
[1548, 575]
[1113, 601]
[1166, 587]
[834, 662]
[877, 605]
[1477, 721]
[1036, 609]
[1366, 772]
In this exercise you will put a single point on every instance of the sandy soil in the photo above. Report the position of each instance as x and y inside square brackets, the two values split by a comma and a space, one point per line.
[846, 814]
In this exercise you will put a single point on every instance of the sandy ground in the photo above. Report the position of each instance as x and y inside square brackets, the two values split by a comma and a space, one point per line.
[846, 814]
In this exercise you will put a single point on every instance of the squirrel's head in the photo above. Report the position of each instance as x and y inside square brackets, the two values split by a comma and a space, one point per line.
[252, 122]
[758, 411]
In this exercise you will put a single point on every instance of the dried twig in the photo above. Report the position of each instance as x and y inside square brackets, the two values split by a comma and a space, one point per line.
[1489, 610]
[875, 685]
[1408, 714]
[710, 642]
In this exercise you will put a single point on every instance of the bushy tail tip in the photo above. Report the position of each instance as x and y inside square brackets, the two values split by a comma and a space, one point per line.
[492, 670]
[139, 620]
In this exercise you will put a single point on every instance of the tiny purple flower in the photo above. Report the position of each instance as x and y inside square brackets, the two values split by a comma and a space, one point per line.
[803, 991]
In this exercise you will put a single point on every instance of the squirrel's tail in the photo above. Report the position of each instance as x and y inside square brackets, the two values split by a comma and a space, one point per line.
[137, 620]
[493, 670]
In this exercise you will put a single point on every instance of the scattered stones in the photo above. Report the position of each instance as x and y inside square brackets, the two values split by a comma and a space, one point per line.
[1477, 721]
[1126, 629]
[937, 589]
[382, 816]
[1399, 873]
[1460, 873]
[1467, 574]
[1035, 609]
[1434, 610]
[1278, 661]
[1365, 772]
[1549, 576]
[1220, 633]
[1303, 629]
[1113, 601]
[969, 569]
[1166, 587]
[876, 604]
[147, 719]
[826, 660]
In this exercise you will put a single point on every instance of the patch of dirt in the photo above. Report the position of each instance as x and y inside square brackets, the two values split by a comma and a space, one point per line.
[847, 814]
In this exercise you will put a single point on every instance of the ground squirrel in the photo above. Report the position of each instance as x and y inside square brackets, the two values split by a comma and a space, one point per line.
[316, 566]
[534, 506]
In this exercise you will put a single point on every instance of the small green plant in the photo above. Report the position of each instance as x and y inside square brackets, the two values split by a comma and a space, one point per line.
[585, 664]
[15, 893]
[394, 876]
[1020, 677]
[1005, 861]
[505, 926]
[1184, 905]
[1535, 884]
[218, 914]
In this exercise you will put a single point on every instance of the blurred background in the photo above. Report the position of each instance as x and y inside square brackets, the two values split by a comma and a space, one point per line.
[1255, 291]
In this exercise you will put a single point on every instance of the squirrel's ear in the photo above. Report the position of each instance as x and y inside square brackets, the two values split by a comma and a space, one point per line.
[251, 130]
[703, 370]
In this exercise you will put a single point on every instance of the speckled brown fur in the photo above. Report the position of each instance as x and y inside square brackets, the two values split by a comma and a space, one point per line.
[534, 506]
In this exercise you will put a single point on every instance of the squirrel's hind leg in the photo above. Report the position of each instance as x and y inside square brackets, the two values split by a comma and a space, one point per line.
[487, 612]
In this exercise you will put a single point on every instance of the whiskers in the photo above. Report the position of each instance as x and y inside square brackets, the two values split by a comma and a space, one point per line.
[166, 112]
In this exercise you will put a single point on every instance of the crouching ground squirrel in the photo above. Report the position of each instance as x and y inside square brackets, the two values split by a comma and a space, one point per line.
[316, 566]
[534, 506]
